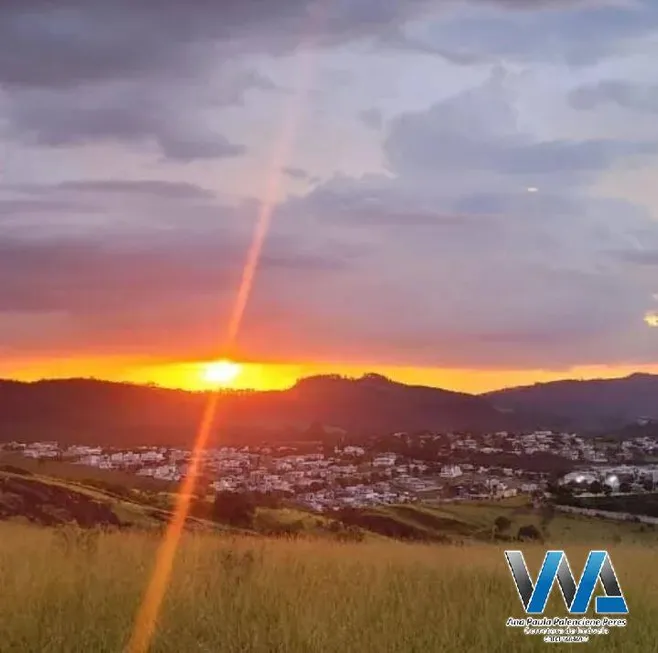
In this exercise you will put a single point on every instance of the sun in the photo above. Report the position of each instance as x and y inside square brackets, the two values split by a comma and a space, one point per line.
[221, 373]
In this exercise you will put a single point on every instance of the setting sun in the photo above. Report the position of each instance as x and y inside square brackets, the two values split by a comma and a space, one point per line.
[222, 372]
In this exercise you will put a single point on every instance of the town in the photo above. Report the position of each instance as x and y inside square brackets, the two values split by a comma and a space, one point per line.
[398, 468]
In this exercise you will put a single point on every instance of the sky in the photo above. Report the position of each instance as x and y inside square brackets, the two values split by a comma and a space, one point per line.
[460, 194]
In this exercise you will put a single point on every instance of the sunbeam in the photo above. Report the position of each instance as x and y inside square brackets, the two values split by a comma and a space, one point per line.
[147, 616]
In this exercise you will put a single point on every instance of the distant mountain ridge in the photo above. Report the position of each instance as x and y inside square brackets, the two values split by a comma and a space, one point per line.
[83, 410]
[377, 403]
[597, 403]
[90, 410]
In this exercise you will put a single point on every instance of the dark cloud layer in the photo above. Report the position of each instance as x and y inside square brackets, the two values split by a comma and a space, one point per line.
[457, 134]
[447, 259]
[620, 93]
[74, 42]
[79, 71]
[578, 34]
[416, 267]
[176, 272]
[468, 271]
[159, 189]
[126, 113]
[80, 41]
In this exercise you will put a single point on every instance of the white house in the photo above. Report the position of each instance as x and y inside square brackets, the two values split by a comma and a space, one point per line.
[385, 460]
[451, 471]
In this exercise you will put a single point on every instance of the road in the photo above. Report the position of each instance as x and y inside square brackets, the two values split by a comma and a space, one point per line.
[608, 514]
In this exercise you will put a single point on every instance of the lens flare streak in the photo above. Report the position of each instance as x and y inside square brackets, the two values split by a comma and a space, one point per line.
[149, 611]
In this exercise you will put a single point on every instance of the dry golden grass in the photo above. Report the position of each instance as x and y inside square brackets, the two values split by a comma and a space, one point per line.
[79, 593]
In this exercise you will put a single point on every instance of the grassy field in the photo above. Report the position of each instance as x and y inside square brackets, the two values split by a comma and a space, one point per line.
[464, 521]
[67, 590]
[79, 593]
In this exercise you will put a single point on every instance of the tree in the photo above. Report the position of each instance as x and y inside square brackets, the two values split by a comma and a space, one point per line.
[648, 485]
[529, 532]
[595, 487]
[625, 487]
[234, 508]
[552, 487]
[502, 524]
[607, 489]
[564, 494]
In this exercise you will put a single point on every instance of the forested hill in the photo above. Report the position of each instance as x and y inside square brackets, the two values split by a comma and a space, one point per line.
[115, 413]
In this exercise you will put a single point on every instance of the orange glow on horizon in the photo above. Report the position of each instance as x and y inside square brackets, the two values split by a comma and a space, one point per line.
[191, 375]
[222, 373]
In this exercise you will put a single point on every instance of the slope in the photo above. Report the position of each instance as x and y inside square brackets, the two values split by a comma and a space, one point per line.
[600, 403]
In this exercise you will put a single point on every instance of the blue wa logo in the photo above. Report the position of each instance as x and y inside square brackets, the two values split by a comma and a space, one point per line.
[576, 596]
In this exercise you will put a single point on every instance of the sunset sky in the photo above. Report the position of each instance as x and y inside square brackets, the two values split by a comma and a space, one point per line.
[461, 194]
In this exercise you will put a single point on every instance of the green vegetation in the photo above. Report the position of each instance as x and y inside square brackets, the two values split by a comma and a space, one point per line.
[462, 522]
[634, 504]
[72, 591]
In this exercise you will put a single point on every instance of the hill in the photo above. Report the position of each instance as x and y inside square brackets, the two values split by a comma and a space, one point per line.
[60, 495]
[374, 402]
[119, 414]
[81, 410]
[44, 500]
[596, 404]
